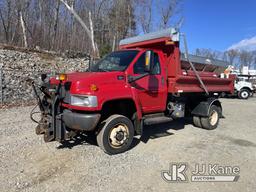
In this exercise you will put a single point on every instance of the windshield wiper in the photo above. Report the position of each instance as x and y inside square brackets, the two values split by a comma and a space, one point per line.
[102, 70]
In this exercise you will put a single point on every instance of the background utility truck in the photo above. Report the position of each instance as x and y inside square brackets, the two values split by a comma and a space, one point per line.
[145, 81]
[243, 87]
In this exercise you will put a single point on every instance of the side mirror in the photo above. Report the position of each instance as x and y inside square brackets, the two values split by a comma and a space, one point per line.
[148, 61]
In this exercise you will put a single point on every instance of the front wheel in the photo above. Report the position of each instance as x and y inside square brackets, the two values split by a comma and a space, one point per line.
[116, 134]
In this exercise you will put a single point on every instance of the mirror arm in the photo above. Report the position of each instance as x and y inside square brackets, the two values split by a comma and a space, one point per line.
[132, 79]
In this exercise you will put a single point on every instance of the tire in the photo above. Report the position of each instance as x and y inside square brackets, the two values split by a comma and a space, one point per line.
[197, 121]
[211, 122]
[244, 94]
[116, 134]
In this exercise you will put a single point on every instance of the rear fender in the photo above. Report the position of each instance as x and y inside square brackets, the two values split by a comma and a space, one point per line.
[203, 108]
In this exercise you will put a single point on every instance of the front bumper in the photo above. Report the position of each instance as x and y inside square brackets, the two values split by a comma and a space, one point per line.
[58, 122]
[80, 121]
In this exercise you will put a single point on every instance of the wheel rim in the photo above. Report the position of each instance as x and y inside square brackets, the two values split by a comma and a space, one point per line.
[244, 94]
[214, 118]
[118, 135]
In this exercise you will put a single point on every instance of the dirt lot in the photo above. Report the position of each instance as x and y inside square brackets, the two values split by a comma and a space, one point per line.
[29, 164]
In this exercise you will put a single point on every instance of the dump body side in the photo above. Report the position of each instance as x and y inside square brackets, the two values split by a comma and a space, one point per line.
[180, 77]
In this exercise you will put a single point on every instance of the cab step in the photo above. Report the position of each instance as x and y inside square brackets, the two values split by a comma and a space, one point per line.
[156, 120]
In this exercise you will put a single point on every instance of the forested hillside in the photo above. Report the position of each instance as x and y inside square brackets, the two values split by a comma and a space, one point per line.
[92, 26]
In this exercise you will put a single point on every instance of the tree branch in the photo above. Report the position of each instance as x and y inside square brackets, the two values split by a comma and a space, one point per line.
[78, 18]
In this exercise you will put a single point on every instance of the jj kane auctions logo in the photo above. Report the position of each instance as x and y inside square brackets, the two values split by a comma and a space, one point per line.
[201, 173]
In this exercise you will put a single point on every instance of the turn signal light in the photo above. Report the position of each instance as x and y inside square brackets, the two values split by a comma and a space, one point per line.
[62, 77]
[93, 87]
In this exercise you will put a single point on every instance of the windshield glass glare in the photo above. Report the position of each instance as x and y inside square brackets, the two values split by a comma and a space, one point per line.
[115, 61]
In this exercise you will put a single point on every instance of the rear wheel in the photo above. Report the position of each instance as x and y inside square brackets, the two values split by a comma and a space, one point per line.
[244, 94]
[212, 121]
[197, 121]
[116, 134]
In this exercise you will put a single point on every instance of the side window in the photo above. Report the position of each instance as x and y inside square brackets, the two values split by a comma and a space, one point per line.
[156, 66]
[138, 67]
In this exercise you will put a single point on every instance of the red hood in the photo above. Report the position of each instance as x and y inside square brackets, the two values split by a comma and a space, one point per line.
[94, 77]
[81, 81]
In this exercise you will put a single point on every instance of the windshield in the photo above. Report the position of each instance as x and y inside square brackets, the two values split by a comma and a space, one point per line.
[116, 61]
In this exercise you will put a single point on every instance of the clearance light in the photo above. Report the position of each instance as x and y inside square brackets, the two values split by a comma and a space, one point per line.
[93, 87]
[169, 42]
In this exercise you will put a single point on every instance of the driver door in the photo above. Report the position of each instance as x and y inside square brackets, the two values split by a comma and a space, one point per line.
[151, 89]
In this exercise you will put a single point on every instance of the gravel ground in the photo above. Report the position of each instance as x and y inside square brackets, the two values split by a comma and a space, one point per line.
[29, 164]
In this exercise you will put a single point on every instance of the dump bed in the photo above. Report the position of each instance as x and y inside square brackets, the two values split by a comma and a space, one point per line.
[203, 64]
[180, 75]
[209, 70]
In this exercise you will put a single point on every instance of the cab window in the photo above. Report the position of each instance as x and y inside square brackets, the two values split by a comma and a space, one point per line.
[138, 67]
[156, 66]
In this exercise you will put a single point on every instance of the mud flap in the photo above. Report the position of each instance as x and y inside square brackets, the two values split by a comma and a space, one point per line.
[202, 109]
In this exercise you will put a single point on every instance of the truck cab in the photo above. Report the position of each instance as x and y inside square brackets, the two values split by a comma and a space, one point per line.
[243, 89]
[144, 80]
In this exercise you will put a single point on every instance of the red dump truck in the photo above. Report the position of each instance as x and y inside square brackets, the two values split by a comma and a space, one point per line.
[146, 81]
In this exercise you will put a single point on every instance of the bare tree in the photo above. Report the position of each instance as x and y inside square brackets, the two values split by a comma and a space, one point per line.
[230, 56]
[121, 20]
[95, 48]
[246, 59]
[211, 54]
[56, 19]
[23, 29]
[22, 7]
[145, 15]
[78, 18]
[167, 10]
[66, 25]
[6, 18]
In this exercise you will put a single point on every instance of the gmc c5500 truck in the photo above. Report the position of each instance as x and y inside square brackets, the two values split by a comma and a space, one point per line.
[145, 81]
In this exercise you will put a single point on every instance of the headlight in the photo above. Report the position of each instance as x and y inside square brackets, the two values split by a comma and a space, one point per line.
[85, 101]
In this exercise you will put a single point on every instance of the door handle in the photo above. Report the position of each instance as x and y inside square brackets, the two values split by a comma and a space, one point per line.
[153, 91]
[162, 80]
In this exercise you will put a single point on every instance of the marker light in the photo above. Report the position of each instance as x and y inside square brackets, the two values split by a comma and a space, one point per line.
[93, 87]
